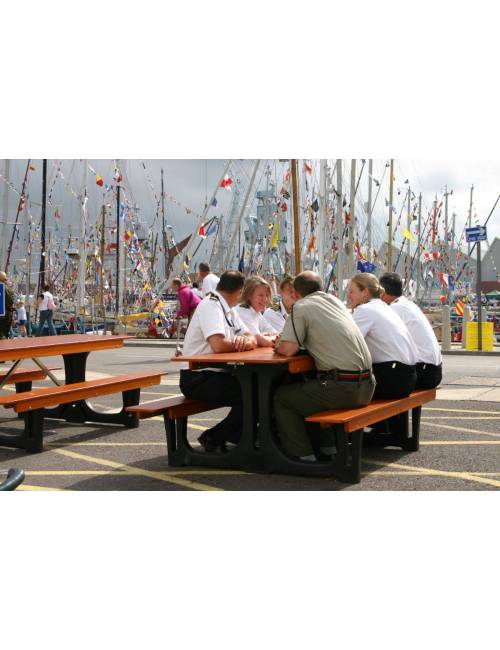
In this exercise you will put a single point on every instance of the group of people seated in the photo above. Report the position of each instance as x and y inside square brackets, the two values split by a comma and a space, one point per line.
[383, 346]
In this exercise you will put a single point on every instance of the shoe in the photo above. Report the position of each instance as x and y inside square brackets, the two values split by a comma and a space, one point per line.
[210, 446]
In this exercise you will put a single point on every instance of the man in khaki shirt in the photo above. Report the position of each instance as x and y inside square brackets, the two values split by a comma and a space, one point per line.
[322, 325]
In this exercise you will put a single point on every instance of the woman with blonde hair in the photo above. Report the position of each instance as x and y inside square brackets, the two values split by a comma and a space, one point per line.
[392, 348]
[254, 300]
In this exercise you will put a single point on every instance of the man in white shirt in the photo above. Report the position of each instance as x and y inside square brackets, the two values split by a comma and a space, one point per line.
[46, 307]
[429, 359]
[216, 328]
[209, 279]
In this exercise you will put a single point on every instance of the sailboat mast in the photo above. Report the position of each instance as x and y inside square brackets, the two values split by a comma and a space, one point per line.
[163, 231]
[322, 218]
[43, 252]
[5, 210]
[389, 225]
[350, 226]
[369, 210]
[117, 296]
[296, 227]
[101, 278]
[340, 232]
[419, 246]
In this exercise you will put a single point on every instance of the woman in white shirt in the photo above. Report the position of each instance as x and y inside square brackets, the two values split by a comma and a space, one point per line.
[387, 337]
[254, 300]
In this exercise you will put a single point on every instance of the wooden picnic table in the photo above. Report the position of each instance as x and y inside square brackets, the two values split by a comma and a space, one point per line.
[265, 370]
[74, 349]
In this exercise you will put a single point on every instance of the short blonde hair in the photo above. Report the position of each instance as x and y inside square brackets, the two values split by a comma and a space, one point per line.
[370, 282]
[251, 284]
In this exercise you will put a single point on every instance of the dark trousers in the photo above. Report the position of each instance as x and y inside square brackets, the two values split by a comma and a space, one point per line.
[428, 376]
[220, 388]
[46, 317]
[394, 380]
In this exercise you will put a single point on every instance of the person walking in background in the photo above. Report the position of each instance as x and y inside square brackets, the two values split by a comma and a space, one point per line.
[197, 290]
[21, 318]
[209, 279]
[6, 319]
[188, 299]
[46, 305]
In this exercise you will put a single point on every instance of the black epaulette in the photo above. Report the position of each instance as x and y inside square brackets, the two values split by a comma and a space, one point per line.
[213, 297]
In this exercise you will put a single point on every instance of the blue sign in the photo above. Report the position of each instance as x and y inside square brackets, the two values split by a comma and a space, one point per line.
[2, 299]
[477, 233]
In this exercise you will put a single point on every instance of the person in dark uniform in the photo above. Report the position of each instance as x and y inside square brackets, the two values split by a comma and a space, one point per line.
[215, 328]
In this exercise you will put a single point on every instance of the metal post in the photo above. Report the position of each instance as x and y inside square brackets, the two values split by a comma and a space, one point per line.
[478, 294]
[446, 329]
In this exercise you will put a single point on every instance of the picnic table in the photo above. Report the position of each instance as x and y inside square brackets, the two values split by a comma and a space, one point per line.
[66, 400]
[259, 371]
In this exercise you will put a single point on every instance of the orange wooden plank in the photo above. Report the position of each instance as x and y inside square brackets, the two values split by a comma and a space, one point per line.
[354, 419]
[26, 374]
[177, 407]
[53, 396]
[44, 346]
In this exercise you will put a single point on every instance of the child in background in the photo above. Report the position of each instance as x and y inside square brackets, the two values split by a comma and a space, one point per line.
[21, 318]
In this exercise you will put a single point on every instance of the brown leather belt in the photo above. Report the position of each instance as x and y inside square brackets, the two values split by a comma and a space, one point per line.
[344, 375]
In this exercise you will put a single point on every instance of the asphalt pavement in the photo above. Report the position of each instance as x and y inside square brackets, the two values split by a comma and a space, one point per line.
[460, 440]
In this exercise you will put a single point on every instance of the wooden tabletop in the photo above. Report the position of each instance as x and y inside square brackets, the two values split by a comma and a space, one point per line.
[46, 346]
[259, 356]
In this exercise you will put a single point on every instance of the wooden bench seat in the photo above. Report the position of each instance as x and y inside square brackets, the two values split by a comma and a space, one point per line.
[175, 411]
[349, 424]
[33, 403]
[23, 377]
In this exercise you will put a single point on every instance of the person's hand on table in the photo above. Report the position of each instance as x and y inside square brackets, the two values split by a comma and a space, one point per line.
[239, 343]
[277, 341]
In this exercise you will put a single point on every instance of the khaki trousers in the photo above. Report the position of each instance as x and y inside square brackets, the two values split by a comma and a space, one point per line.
[295, 401]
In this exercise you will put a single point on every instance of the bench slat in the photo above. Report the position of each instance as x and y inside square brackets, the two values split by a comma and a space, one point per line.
[177, 406]
[26, 374]
[53, 396]
[354, 419]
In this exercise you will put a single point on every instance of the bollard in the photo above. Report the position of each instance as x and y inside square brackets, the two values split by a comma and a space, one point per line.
[465, 320]
[446, 329]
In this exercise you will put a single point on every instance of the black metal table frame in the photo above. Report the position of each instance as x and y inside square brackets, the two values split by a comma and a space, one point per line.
[258, 449]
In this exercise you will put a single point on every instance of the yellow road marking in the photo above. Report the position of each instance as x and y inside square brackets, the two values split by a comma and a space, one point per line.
[464, 430]
[381, 472]
[104, 472]
[137, 471]
[460, 442]
[424, 471]
[38, 488]
[450, 417]
[434, 408]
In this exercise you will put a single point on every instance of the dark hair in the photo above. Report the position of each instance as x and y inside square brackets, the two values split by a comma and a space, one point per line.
[392, 284]
[231, 281]
[287, 282]
[46, 287]
[204, 267]
[307, 282]
[195, 285]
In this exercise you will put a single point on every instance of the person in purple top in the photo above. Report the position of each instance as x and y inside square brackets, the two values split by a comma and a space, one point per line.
[188, 299]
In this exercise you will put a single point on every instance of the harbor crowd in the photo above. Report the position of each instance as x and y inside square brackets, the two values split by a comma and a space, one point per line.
[379, 346]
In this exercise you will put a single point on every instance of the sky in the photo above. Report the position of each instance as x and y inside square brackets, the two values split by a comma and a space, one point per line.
[191, 183]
